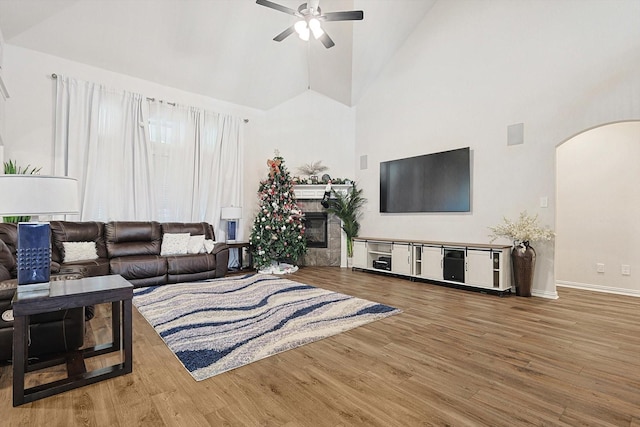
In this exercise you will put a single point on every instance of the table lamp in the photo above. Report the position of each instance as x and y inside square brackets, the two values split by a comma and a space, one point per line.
[231, 214]
[34, 195]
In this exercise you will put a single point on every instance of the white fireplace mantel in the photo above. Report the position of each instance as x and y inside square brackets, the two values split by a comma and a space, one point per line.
[316, 191]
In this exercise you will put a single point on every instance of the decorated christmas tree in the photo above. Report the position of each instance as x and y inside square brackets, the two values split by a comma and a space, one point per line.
[277, 234]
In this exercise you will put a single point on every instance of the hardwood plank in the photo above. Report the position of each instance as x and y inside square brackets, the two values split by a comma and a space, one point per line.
[452, 357]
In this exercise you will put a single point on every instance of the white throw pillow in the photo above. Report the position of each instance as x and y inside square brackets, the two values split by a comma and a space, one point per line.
[174, 244]
[79, 251]
[208, 245]
[196, 244]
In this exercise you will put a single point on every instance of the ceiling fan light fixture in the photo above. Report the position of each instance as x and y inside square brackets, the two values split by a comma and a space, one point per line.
[316, 28]
[304, 35]
[301, 27]
[309, 17]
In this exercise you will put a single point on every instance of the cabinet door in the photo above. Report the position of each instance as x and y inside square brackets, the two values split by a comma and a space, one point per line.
[479, 268]
[432, 262]
[359, 254]
[401, 258]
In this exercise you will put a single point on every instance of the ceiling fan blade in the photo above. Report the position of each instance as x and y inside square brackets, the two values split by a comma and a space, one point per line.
[276, 6]
[283, 35]
[352, 15]
[326, 40]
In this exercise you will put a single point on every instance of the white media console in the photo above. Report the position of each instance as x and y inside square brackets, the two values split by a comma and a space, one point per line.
[482, 266]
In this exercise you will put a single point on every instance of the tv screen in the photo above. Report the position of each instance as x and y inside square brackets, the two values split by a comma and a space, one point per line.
[438, 182]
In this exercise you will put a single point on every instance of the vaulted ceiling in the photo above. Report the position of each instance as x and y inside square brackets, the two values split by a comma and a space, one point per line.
[218, 48]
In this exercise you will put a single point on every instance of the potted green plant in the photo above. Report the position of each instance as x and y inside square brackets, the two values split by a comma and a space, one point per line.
[523, 257]
[348, 207]
[12, 168]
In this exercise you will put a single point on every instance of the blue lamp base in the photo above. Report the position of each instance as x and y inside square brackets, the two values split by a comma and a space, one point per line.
[231, 231]
[34, 256]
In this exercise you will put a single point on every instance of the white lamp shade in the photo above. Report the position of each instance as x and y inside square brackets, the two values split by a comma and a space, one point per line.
[233, 212]
[28, 195]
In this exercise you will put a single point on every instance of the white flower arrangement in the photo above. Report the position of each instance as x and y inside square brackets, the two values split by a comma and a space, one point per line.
[525, 229]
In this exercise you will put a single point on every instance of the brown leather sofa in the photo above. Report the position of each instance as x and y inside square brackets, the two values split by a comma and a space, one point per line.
[131, 249]
[49, 333]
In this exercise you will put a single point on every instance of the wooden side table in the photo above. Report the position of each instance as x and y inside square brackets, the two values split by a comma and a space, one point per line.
[238, 246]
[62, 295]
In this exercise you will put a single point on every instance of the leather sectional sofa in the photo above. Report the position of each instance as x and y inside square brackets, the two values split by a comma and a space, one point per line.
[132, 249]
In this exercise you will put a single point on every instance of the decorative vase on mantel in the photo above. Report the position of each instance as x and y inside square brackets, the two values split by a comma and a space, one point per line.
[523, 262]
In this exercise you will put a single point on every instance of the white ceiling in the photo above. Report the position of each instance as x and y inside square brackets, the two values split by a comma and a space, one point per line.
[219, 48]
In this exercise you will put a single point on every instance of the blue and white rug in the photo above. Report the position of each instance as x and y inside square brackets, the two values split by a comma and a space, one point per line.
[219, 325]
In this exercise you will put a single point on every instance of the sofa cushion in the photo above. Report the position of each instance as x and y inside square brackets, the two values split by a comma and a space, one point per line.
[188, 264]
[7, 261]
[91, 268]
[174, 244]
[139, 266]
[130, 238]
[193, 228]
[9, 235]
[70, 231]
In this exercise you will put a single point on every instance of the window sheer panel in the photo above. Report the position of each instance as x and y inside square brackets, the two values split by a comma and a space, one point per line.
[228, 160]
[141, 160]
[174, 157]
[101, 140]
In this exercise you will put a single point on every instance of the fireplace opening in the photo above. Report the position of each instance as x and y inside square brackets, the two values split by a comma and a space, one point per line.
[316, 229]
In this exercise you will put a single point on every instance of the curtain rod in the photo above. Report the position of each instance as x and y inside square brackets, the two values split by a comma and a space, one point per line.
[173, 104]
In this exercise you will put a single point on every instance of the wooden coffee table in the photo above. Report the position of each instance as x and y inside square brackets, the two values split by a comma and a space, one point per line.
[62, 295]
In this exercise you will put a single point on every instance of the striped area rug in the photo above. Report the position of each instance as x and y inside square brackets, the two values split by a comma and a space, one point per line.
[219, 325]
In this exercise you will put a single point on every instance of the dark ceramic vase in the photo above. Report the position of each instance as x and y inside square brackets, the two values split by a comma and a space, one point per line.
[523, 261]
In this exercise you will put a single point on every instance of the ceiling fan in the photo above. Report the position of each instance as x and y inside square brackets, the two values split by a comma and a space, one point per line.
[310, 18]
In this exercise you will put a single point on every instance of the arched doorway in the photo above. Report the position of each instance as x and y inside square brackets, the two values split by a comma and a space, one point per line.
[598, 209]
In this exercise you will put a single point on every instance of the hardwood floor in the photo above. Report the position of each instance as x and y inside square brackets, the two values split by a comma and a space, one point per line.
[453, 357]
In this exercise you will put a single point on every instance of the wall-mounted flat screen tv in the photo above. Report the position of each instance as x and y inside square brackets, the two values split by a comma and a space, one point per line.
[437, 182]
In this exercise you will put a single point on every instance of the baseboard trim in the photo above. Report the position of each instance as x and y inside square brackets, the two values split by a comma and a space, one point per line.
[599, 288]
[544, 294]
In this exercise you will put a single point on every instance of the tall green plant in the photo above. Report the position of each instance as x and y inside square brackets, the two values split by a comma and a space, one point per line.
[348, 207]
[12, 168]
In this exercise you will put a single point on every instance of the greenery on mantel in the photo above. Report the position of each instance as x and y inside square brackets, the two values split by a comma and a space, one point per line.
[304, 181]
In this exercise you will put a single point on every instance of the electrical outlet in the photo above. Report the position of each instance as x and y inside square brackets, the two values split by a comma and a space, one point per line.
[600, 267]
[626, 270]
[544, 202]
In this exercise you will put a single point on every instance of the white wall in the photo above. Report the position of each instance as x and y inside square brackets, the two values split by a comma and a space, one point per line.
[305, 129]
[29, 115]
[471, 69]
[598, 209]
[2, 99]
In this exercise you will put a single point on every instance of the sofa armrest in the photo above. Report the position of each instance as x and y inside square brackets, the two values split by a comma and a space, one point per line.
[220, 246]
[221, 251]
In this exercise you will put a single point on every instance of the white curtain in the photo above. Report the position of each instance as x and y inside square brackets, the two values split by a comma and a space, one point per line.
[197, 162]
[143, 160]
[101, 140]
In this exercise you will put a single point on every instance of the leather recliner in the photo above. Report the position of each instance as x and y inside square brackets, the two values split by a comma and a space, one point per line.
[49, 333]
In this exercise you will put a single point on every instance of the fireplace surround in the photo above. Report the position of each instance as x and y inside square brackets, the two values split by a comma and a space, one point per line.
[335, 253]
[316, 229]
